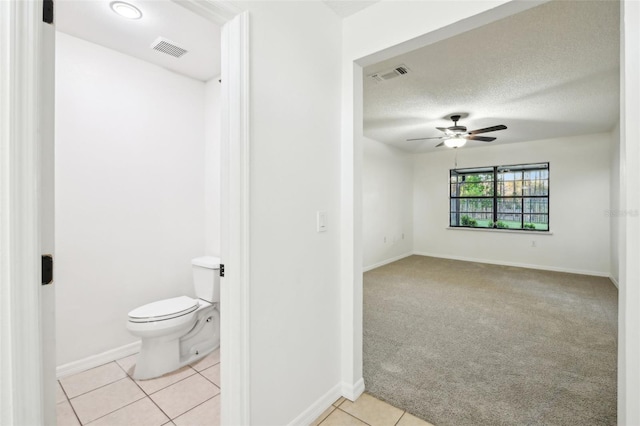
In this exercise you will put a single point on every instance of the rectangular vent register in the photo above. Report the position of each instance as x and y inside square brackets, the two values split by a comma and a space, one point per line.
[166, 46]
[389, 74]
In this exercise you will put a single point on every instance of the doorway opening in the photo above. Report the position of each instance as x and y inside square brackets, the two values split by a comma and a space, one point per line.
[142, 175]
[387, 60]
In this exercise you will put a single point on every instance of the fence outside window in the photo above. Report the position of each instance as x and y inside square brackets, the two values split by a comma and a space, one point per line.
[502, 197]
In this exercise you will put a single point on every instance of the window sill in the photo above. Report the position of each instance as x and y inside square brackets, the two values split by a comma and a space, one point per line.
[507, 231]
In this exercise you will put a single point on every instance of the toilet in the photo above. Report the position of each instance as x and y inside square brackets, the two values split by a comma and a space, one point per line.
[181, 330]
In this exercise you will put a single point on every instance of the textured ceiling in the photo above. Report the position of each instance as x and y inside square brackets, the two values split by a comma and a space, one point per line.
[94, 21]
[344, 8]
[550, 71]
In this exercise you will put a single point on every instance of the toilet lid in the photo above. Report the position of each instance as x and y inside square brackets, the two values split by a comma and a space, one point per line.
[164, 309]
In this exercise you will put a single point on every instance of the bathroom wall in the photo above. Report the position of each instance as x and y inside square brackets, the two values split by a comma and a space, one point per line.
[387, 204]
[130, 191]
[212, 167]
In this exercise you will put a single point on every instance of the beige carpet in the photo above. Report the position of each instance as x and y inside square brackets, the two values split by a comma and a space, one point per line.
[462, 343]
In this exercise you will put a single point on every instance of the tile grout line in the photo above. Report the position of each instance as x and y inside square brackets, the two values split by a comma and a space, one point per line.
[99, 387]
[151, 399]
[148, 395]
[403, 413]
[211, 366]
[334, 408]
[357, 418]
[69, 402]
[111, 412]
[169, 385]
[193, 408]
[197, 372]
[127, 376]
[206, 378]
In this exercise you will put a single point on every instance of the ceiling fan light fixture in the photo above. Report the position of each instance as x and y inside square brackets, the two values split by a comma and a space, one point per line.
[455, 142]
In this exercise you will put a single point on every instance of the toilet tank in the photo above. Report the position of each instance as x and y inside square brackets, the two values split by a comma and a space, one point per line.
[206, 278]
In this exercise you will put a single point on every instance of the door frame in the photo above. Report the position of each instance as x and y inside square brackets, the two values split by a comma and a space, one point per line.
[629, 243]
[25, 80]
[22, 48]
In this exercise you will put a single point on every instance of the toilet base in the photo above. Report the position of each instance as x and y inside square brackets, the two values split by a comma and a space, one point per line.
[149, 365]
[160, 356]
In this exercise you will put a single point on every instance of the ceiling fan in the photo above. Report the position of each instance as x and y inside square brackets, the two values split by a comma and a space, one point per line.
[456, 136]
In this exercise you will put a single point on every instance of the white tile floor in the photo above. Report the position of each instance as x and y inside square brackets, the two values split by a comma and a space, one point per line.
[108, 396]
[366, 410]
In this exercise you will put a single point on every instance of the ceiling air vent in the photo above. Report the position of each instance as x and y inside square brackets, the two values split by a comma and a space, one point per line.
[389, 74]
[166, 46]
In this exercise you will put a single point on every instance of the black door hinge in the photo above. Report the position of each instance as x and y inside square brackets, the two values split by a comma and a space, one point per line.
[47, 11]
[222, 270]
[47, 269]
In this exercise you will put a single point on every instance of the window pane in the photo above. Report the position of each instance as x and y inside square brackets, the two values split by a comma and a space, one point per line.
[538, 222]
[476, 185]
[536, 205]
[509, 176]
[474, 212]
[542, 174]
[511, 220]
[475, 205]
[510, 188]
[477, 220]
[536, 187]
[510, 205]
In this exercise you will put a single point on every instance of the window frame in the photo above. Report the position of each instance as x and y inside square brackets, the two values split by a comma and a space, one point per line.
[494, 197]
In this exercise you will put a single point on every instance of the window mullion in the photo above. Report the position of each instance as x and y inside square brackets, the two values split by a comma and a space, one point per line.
[495, 196]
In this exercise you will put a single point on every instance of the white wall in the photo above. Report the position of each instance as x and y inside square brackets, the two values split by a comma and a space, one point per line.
[129, 191]
[578, 206]
[212, 116]
[387, 204]
[295, 171]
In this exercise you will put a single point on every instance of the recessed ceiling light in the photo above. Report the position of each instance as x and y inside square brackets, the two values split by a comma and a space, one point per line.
[126, 10]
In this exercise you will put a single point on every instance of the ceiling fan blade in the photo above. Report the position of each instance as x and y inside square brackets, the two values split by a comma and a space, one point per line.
[440, 144]
[422, 139]
[480, 138]
[442, 129]
[488, 129]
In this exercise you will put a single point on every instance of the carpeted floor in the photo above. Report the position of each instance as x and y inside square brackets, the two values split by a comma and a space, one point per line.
[462, 343]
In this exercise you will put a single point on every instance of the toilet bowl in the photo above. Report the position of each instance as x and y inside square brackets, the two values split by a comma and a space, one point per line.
[178, 331]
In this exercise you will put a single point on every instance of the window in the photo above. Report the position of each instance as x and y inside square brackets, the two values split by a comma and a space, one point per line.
[505, 197]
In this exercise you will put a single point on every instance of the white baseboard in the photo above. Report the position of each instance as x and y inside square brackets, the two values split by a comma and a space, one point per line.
[349, 391]
[517, 264]
[353, 391]
[309, 415]
[97, 360]
[386, 262]
[614, 281]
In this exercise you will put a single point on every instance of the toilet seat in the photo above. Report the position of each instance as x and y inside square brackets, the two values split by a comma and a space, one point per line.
[163, 309]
